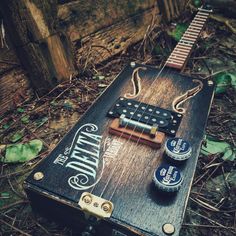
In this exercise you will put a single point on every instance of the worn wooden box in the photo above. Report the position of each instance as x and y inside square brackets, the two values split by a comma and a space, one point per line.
[123, 175]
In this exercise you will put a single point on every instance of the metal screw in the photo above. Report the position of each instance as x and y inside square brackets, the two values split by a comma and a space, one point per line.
[132, 64]
[168, 229]
[107, 207]
[210, 82]
[38, 176]
[95, 204]
[111, 112]
[87, 199]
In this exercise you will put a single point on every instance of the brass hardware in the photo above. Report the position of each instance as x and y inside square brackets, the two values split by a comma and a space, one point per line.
[168, 229]
[95, 206]
[210, 82]
[132, 64]
[38, 176]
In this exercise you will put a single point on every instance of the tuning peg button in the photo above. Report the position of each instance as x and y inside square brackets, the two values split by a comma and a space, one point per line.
[167, 178]
[178, 149]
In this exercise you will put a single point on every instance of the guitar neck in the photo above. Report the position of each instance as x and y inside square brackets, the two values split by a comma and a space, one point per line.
[181, 52]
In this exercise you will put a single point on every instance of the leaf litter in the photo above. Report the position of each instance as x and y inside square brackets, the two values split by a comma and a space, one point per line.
[211, 209]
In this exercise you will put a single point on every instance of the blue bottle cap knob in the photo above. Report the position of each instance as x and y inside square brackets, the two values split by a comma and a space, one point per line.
[178, 149]
[167, 178]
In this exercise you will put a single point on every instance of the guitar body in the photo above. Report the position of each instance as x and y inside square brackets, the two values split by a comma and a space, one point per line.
[120, 169]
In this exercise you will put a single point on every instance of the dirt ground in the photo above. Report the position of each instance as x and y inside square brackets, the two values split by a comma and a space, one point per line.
[212, 206]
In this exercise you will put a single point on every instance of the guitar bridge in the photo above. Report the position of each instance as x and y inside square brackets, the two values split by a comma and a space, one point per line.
[95, 206]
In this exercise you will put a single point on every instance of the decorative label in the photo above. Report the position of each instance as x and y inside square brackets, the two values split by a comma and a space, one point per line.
[83, 157]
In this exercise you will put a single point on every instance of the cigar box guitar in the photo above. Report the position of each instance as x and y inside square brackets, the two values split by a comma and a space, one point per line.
[123, 168]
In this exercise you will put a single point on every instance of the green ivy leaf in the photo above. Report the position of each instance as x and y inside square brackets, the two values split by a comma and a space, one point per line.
[22, 152]
[25, 119]
[223, 82]
[17, 136]
[214, 147]
[20, 110]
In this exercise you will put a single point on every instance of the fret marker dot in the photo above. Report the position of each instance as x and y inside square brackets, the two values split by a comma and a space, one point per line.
[146, 117]
[157, 112]
[161, 122]
[139, 115]
[143, 108]
[135, 105]
[150, 109]
[154, 120]
[118, 105]
[129, 103]
[124, 111]
[131, 113]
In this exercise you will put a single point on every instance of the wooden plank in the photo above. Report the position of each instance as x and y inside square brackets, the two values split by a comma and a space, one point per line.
[115, 38]
[31, 25]
[81, 18]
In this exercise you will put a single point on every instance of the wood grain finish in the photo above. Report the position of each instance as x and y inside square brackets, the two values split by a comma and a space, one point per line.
[127, 177]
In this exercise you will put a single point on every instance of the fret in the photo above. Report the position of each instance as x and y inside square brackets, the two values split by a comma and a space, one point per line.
[202, 10]
[176, 62]
[193, 30]
[199, 21]
[193, 37]
[177, 50]
[195, 27]
[181, 57]
[188, 38]
[202, 14]
[195, 24]
[191, 33]
[187, 42]
[181, 53]
[200, 18]
[183, 48]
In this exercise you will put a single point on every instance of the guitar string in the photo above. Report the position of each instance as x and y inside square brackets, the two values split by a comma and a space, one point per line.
[120, 177]
[133, 130]
[127, 140]
[134, 143]
[134, 156]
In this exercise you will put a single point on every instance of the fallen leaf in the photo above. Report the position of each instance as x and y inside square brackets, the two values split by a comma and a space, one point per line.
[22, 152]
[17, 136]
[215, 147]
[25, 119]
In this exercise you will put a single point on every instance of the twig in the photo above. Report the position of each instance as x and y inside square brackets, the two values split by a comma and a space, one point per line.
[15, 228]
[13, 204]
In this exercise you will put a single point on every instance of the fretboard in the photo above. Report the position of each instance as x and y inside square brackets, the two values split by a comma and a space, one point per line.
[178, 57]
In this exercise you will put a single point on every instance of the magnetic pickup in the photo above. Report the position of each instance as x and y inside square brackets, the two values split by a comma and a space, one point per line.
[167, 121]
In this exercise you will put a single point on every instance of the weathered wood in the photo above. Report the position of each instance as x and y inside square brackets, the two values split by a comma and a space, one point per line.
[123, 176]
[171, 9]
[44, 53]
[115, 38]
[83, 17]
